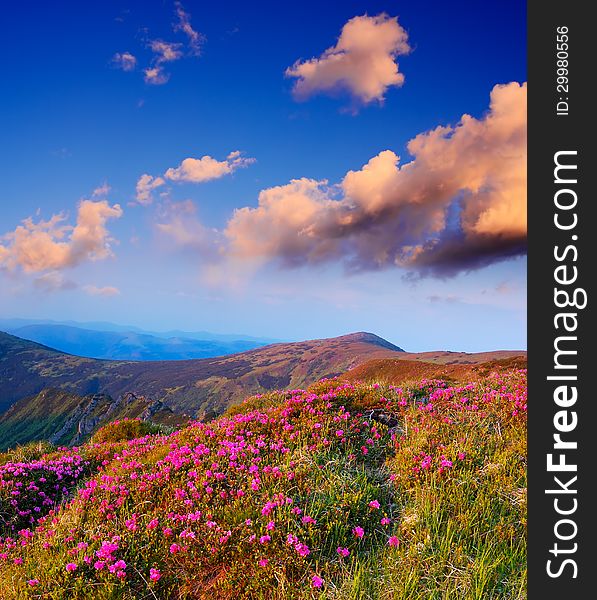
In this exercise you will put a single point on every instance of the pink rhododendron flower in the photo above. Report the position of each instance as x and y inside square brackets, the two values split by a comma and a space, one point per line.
[302, 549]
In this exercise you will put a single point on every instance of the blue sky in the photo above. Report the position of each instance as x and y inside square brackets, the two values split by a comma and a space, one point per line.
[73, 120]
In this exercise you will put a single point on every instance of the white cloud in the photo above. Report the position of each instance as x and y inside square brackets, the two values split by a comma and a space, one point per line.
[361, 64]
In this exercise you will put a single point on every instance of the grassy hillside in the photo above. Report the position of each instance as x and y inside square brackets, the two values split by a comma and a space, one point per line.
[65, 418]
[194, 387]
[398, 370]
[344, 491]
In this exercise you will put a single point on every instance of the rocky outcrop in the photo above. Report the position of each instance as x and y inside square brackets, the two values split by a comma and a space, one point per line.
[96, 410]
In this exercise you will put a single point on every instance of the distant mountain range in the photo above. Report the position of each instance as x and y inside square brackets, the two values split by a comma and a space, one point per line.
[114, 342]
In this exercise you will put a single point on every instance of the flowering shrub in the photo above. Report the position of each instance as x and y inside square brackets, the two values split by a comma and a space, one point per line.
[290, 495]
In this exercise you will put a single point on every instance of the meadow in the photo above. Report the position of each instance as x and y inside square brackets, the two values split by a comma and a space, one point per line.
[343, 491]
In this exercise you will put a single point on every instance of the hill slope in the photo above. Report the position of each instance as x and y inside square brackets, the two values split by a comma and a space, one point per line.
[194, 387]
[64, 418]
[295, 494]
[396, 371]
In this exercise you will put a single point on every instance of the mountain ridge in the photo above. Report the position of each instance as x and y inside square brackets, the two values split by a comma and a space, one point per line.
[48, 394]
[188, 386]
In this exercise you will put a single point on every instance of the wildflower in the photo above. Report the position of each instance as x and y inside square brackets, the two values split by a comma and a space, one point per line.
[358, 532]
[33, 582]
[70, 567]
[263, 562]
[264, 539]
[343, 551]
[393, 541]
[302, 549]
[174, 548]
[154, 574]
[446, 463]
[374, 504]
[317, 581]
[98, 565]
[152, 524]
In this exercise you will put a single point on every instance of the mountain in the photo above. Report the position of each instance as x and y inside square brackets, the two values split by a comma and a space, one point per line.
[193, 387]
[128, 345]
[12, 325]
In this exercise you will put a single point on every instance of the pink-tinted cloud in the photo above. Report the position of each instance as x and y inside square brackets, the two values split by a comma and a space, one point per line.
[125, 61]
[155, 75]
[191, 170]
[206, 168]
[361, 64]
[459, 204]
[165, 51]
[145, 186]
[53, 281]
[179, 221]
[183, 23]
[53, 245]
[101, 191]
[94, 290]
